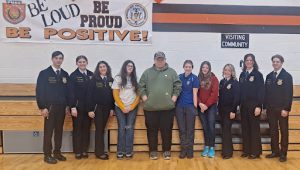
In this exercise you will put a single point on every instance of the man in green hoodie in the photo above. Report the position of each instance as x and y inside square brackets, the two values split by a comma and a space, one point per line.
[159, 88]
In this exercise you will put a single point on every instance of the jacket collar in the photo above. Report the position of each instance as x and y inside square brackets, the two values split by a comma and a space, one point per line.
[163, 69]
[282, 71]
[50, 68]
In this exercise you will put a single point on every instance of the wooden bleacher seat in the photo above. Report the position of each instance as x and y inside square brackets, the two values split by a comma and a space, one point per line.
[18, 111]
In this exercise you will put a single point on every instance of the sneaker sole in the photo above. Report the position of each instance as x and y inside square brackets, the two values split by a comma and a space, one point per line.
[153, 158]
[62, 160]
[50, 162]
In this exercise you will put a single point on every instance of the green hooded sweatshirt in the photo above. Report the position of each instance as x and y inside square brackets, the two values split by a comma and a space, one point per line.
[159, 86]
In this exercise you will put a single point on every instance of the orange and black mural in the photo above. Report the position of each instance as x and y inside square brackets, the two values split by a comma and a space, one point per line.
[226, 18]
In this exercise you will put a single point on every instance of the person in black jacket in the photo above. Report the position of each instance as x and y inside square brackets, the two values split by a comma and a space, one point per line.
[252, 97]
[278, 102]
[52, 100]
[79, 81]
[229, 97]
[100, 104]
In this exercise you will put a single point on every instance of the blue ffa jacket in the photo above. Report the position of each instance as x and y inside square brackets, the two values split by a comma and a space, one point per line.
[78, 88]
[52, 89]
[100, 93]
[252, 89]
[229, 95]
[279, 91]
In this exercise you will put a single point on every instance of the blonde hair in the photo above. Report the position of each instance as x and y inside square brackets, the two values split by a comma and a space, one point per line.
[232, 69]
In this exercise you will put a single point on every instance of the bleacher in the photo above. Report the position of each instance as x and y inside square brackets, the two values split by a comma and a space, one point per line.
[18, 111]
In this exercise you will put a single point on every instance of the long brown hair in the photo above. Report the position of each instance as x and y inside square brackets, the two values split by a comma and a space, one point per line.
[255, 66]
[133, 77]
[97, 73]
[205, 80]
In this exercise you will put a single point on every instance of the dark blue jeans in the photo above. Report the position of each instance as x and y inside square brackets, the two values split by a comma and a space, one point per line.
[185, 116]
[125, 130]
[208, 120]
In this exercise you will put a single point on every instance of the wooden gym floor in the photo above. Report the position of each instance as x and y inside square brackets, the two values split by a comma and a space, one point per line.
[142, 162]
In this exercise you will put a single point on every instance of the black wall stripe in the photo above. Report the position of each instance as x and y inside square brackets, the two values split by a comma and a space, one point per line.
[226, 9]
[220, 28]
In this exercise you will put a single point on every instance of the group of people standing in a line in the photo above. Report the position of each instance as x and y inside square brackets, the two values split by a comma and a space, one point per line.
[95, 96]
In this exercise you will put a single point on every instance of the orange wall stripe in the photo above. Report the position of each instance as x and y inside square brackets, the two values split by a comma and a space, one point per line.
[226, 19]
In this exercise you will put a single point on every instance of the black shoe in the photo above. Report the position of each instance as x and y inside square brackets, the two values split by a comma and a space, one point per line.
[103, 157]
[183, 154]
[272, 155]
[253, 156]
[244, 155]
[282, 158]
[50, 160]
[190, 154]
[60, 157]
[84, 155]
[78, 156]
[227, 157]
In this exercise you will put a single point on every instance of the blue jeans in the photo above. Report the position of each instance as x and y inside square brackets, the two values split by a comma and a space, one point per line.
[126, 123]
[208, 120]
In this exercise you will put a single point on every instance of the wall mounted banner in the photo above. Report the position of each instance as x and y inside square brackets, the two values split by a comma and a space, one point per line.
[77, 21]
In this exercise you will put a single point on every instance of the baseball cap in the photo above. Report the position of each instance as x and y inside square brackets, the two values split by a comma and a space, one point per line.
[159, 54]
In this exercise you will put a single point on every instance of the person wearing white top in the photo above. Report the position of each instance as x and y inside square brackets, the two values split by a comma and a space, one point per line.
[125, 88]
